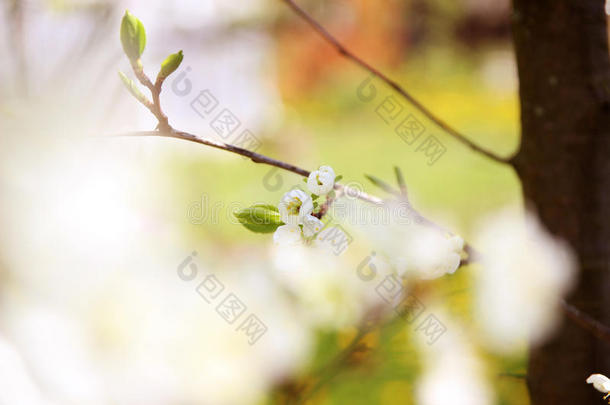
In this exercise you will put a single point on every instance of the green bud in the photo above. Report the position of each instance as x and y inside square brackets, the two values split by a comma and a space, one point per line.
[133, 36]
[260, 218]
[170, 64]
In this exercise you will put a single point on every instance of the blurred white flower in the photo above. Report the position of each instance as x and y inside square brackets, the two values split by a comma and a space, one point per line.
[414, 249]
[600, 382]
[452, 372]
[18, 386]
[287, 235]
[294, 206]
[58, 354]
[525, 273]
[328, 292]
[321, 181]
[428, 254]
[311, 226]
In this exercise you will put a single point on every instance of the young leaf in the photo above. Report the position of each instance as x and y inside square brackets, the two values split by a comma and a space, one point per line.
[260, 218]
[170, 64]
[133, 88]
[381, 184]
[133, 36]
[338, 178]
[400, 180]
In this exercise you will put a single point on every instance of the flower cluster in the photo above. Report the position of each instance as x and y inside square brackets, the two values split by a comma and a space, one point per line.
[297, 208]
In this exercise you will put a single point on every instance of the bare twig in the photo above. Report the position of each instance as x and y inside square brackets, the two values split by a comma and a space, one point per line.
[330, 199]
[155, 91]
[258, 158]
[406, 95]
[597, 329]
[253, 156]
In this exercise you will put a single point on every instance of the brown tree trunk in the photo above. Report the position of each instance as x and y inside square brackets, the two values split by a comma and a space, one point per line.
[564, 165]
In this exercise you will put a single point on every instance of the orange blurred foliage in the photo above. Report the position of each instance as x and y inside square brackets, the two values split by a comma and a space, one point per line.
[373, 30]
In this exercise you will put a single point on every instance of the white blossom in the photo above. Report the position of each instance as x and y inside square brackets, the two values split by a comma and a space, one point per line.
[294, 206]
[600, 382]
[287, 235]
[321, 181]
[311, 225]
[525, 273]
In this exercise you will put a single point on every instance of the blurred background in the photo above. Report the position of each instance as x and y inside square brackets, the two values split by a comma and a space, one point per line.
[95, 227]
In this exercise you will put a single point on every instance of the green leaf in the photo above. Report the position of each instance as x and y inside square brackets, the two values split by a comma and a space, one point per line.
[133, 36]
[133, 89]
[400, 180]
[338, 178]
[170, 64]
[314, 197]
[260, 218]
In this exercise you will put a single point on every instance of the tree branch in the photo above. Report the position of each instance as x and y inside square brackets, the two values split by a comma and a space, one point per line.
[253, 156]
[164, 129]
[406, 95]
[258, 158]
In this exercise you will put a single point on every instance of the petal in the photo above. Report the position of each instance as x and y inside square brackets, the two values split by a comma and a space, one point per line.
[329, 170]
[457, 243]
[311, 225]
[325, 188]
[285, 216]
[312, 182]
[306, 208]
[287, 235]
[327, 180]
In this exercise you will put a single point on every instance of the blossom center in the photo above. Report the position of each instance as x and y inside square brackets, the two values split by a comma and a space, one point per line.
[294, 206]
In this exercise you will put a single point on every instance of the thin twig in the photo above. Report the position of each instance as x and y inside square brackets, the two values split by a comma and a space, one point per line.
[330, 199]
[406, 95]
[155, 91]
[597, 329]
[253, 156]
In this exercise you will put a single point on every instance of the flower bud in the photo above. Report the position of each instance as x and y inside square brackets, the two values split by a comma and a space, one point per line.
[170, 64]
